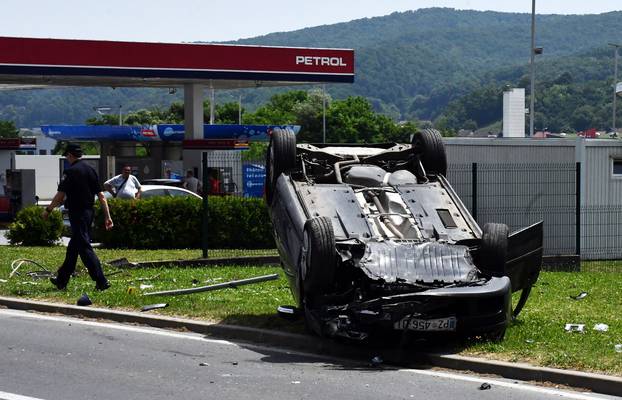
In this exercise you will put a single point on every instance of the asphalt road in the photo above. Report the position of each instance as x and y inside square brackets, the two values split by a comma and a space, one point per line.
[51, 357]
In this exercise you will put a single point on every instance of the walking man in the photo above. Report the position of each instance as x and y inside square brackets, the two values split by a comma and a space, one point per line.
[77, 189]
[125, 185]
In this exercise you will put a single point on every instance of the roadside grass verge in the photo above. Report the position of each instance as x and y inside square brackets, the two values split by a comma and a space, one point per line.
[538, 337]
[251, 305]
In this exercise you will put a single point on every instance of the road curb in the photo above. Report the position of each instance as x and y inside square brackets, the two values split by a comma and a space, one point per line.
[598, 383]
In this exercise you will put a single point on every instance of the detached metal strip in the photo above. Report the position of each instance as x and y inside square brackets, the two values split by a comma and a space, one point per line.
[232, 284]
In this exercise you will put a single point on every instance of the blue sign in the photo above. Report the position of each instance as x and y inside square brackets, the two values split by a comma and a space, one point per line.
[254, 176]
[162, 132]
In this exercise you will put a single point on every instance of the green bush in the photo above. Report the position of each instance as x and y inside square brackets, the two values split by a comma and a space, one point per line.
[176, 222]
[30, 229]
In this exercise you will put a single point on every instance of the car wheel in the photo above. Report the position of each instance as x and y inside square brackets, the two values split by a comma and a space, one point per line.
[319, 259]
[428, 146]
[281, 158]
[494, 248]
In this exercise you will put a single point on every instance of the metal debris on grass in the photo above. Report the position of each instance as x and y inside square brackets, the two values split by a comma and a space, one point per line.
[575, 328]
[143, 286]
[580, 296]
[224, 285]
[154, 306]
[40, 273]
[601, 327]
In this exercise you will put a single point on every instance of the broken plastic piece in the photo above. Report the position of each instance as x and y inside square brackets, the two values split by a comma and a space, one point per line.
[143, 286]
[575, 328]
[203, 364]
[154, 306]
[618, 348]
[376, 361]
[485, 386]
[3, 281]
[601, 327]
[580, 296]
[288, 312]
[84, 300]
[528, 340]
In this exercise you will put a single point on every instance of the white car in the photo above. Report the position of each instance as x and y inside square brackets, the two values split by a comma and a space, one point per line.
[148, 191]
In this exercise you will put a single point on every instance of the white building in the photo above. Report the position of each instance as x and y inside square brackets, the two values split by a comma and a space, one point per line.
[514, 112]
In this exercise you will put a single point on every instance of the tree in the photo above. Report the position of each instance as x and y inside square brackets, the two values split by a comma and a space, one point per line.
[8, 129]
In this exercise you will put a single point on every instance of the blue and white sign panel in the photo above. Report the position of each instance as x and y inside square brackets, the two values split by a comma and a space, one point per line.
[162, 132]
[254, 176]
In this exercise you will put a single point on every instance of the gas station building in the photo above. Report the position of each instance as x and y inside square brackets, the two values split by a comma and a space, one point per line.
[197, 68]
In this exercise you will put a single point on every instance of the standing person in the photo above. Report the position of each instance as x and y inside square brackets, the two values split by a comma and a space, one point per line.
[192, 183]
[125, 185]
[78, 188]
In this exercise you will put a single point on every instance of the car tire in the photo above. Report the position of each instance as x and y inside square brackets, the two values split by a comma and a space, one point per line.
[319, 259]
[494, 248]
[428, 146]
[281, 157]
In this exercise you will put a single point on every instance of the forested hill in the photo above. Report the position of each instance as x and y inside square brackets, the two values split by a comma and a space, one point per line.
[410, 64]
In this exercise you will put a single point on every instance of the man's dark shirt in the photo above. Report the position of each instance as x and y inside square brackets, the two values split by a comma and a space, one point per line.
[80, 185]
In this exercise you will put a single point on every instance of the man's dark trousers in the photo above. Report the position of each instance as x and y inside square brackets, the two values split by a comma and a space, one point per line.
[80, 244]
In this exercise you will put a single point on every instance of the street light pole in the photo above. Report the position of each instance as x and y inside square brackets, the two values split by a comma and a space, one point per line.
[533, 67]
[615, 84]
[324, 113]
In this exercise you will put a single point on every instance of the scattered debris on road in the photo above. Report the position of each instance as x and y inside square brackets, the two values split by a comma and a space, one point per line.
[203, 364]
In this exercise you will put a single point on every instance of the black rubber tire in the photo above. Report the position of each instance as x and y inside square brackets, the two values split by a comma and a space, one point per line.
[280, 158]
[494, 248]
[319, 260]
[428, 146]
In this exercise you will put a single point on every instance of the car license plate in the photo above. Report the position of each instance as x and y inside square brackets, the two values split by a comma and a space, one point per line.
[426, 325]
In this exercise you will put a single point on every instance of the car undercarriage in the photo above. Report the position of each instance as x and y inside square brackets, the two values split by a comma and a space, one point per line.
[373, 236]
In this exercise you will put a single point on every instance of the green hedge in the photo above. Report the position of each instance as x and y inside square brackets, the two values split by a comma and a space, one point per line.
[175, 222]
[30, 229]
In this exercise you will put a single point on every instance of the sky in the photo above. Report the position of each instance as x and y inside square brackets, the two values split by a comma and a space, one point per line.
[219, 20]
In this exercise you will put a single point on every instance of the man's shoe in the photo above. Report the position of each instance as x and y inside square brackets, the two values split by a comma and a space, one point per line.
[57, 283]
[102, 286]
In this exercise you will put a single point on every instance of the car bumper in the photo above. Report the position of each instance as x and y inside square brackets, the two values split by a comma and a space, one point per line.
[476, 310]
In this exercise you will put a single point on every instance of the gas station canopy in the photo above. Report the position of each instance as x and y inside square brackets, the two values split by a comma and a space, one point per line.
[60, 62]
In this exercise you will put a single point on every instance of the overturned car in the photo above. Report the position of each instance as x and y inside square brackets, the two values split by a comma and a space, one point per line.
[373, 236]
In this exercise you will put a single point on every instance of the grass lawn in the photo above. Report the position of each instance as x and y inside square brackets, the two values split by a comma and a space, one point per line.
[538, 337]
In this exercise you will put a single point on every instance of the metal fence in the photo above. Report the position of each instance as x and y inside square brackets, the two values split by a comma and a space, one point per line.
[521, 194]
[517, 195]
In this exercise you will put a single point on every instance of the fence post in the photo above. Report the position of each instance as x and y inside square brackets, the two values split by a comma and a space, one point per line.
[206, 189]
[578, 209]
[474, 191]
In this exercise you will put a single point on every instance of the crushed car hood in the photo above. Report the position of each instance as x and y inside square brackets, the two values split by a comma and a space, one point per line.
[427, 262]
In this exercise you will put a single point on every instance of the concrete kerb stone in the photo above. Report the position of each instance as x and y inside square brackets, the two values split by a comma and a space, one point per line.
[598, 383]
